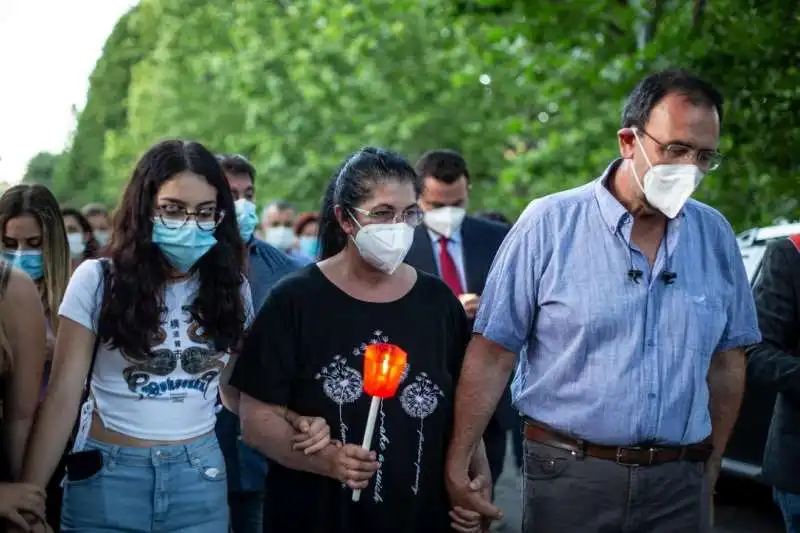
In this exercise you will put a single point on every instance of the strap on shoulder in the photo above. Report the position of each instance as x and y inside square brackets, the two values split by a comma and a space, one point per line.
[795, 239]
[105, 269]
[5, 274]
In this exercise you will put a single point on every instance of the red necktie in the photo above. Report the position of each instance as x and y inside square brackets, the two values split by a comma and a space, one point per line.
[448, 267]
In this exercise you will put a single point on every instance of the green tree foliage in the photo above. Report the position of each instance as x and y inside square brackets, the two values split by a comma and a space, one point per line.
[530, 92]
[41, 169]
[80, 175]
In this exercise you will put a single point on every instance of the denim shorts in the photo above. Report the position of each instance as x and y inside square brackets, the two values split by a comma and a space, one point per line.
[170, 489]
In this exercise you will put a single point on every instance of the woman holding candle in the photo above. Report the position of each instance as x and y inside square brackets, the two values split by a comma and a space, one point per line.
[306, 353]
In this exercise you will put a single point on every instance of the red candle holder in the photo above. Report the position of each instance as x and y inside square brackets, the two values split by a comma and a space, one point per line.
[384, 365]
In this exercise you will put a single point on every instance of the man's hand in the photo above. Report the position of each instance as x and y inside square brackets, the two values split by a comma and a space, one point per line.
[473, 496]
[469, 521]
[470, 302]
[313, 432]
[713, 466]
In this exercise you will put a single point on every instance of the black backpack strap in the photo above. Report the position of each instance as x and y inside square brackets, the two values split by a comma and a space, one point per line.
[5, 274]
[104, 283]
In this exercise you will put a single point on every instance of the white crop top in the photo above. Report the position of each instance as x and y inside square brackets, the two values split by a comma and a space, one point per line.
[172, 395]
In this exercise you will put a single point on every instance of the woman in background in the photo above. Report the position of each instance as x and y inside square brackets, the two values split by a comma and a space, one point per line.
[100, 220]
[82, 243]
[306, 228]
[22, 352]
[34, 240]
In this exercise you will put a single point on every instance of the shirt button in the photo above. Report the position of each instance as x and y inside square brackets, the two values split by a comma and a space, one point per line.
[651, 343]
[651, 395]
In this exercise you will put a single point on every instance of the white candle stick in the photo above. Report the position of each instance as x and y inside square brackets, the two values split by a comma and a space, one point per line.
[368, 432]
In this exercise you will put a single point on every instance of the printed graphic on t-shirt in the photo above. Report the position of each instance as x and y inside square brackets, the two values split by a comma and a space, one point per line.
[343, 384]
[182, 342]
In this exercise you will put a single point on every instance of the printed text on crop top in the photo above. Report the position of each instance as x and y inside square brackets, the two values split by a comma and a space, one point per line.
[172, 395]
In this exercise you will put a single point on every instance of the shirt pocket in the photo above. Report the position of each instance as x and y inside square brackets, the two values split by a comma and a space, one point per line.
[704, 319]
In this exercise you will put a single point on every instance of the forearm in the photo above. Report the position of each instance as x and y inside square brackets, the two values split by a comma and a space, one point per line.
[484, 377]
[726, 383]
[479, 463]
[271, 433]
[16, 434]
[50, 436]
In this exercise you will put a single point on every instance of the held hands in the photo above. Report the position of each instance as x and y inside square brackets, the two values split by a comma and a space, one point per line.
[353, 465]
[472, 510]
[467, 520]
[470, 303]
[19, 498]
[313, 433]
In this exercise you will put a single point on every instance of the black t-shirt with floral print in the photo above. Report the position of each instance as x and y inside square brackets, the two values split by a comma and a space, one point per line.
[305, 351]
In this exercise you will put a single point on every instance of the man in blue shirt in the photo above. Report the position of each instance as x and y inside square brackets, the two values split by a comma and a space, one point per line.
[246, 468]
[630, 309]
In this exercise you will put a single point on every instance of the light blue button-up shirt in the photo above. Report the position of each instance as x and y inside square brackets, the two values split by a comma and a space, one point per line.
[602, 357]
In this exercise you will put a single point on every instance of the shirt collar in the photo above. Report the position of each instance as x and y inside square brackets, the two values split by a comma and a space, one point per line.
[456, 237]
[613, 212]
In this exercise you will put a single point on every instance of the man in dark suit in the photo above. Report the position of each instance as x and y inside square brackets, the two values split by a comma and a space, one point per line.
[775, 363]
[459, 249]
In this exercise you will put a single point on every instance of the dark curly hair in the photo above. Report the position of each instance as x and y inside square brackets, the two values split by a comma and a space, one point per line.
[133, 303]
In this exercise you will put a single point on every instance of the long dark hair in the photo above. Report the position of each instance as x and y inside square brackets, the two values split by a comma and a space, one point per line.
[92, 246]
[353, 184]
[39, 202]
[133, 305]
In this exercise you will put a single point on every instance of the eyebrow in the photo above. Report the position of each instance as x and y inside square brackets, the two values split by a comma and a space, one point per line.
[182, 203]
[689, 145]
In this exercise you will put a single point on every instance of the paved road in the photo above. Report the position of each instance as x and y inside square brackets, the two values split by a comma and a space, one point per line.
[741, 507]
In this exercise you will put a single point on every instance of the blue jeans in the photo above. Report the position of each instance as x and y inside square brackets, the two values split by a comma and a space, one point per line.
[170, 489]
[789, 504]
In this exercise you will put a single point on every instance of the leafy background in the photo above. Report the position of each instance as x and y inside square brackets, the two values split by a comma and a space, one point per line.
[530, 92]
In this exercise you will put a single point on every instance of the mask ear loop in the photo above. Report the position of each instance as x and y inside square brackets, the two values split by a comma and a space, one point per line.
[639, 181]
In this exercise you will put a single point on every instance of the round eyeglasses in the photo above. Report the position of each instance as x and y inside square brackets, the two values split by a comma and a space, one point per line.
[412, 216]
[176, 217]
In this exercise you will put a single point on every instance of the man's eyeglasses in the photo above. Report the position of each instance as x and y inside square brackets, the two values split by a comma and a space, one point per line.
[411, 216]
[175, 217]
[708, 160]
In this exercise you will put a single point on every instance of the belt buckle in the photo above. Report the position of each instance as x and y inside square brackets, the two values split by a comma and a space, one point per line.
[622, 462]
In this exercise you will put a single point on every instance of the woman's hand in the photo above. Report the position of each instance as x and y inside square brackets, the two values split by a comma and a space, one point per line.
[16, 498]
[353, 465]
[313, 435]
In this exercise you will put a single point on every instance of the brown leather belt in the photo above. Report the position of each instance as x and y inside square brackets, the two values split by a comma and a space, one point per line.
[627, 456]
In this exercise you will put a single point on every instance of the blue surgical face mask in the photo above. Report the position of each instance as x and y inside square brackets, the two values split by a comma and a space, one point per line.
[309, 245]
[246, 217]
[184, 246]
[29, 261]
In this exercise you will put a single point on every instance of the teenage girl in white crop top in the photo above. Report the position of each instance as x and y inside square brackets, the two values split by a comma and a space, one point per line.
[169, 310]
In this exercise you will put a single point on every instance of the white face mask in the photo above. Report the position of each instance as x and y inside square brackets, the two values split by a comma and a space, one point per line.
[102, 236]
[280, 237]
[445, 221]
[76, 244]
[384, 246]
[667, 187]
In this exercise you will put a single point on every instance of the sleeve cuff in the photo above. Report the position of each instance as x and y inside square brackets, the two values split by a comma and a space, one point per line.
[739, 341]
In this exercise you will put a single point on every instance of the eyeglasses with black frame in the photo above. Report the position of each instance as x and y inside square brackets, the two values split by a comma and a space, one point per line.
[176, 216]
[411, 216]
[708, 160]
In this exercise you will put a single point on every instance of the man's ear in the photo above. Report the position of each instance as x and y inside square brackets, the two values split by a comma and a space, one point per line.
[627, 142]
